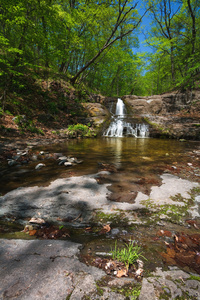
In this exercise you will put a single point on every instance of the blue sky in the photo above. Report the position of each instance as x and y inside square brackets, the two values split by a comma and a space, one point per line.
[145, 25]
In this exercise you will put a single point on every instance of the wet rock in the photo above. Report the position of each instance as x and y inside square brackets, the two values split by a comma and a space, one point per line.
[68, 164]
[123, 197]
[114, 231]
[39, 166]
[62, 160]
[107, 167]
[78, 161]
[57, 155]
[11, 162]
[34, 157]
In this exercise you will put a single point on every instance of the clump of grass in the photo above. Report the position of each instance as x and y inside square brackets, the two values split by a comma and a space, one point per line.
[127, 255]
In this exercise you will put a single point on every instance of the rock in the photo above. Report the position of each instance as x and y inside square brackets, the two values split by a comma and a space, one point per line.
[39, 166]
[62, 160]
[78, 161]
[97, 113]
[34, 157]
[166, 115]
[36, 220]
[114, 231]
[147, 291]
[11, 162]
[173, 284]
[57, 155]
[68, 164]
[43, 269]
[71, 159]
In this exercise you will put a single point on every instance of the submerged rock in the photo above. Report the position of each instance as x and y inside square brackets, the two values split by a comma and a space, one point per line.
[39, 166]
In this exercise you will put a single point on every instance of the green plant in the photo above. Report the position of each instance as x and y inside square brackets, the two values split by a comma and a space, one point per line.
[79, 129]
[8, 113]
[52, 106]
[127, 255]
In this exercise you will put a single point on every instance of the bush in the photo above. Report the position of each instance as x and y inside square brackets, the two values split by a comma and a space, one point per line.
[79, 130]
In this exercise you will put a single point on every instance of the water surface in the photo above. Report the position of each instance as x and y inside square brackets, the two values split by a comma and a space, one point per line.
[133, 157]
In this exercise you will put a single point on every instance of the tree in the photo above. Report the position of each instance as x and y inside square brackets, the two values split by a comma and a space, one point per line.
[125, 21]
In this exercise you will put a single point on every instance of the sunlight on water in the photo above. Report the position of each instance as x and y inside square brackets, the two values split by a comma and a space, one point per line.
[131, 156]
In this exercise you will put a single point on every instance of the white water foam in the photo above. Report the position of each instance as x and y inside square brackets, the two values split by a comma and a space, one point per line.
[119, 127]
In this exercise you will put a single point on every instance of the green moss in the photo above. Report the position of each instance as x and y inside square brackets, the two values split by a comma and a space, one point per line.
[114, 219]
[194, 277]
[99, 290]
[174, 213]
[130, 291]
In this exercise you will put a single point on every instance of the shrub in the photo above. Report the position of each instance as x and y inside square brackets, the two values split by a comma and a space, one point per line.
[79, 130]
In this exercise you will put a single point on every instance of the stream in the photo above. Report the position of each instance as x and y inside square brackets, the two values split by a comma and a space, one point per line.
[133, 157]
[135, 166]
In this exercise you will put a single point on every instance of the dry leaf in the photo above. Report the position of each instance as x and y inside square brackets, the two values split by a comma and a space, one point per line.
[32, 232]
[105, 229]
[139, 272]
[121, 273]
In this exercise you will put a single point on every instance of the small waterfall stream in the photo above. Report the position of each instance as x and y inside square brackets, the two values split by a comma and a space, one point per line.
[119, 127]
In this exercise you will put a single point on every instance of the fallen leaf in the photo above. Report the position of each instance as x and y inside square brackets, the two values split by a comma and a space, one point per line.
[164, 233]
[122, 272]
[32, 232]
[139, 272]
[105, 229]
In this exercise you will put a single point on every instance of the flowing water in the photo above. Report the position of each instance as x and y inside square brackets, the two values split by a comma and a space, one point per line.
[121, 125]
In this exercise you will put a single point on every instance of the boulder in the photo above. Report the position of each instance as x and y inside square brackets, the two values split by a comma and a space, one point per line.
[97, 113]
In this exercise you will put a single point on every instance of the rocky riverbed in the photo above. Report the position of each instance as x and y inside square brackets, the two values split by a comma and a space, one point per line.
[37, 269]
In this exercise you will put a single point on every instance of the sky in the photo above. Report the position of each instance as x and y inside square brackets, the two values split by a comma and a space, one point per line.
[145, 25]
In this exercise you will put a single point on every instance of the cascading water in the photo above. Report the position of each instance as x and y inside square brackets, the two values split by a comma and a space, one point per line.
[119, 127]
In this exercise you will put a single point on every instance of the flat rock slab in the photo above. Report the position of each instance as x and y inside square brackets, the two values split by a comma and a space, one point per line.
[80, 196]
[172, 284]
[38, 269]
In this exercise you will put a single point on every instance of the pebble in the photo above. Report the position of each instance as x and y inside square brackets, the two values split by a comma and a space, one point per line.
[67, 164]
[11, 162]
[39, 166]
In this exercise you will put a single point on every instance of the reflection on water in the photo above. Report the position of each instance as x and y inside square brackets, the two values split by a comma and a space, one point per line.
[131, 156]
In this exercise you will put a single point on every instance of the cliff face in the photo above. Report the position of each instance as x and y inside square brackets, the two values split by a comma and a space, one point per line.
[175, 115]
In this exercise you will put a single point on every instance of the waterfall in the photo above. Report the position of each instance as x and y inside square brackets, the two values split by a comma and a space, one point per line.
[119, 127]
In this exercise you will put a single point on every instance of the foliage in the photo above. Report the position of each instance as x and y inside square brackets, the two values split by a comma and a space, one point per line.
[25, 124]
[80, 130]
[73, 38]
[92, 44]
[127, 255]
[174, 61]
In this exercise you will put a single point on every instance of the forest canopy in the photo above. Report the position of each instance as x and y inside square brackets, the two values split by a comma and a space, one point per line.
[95, 43]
